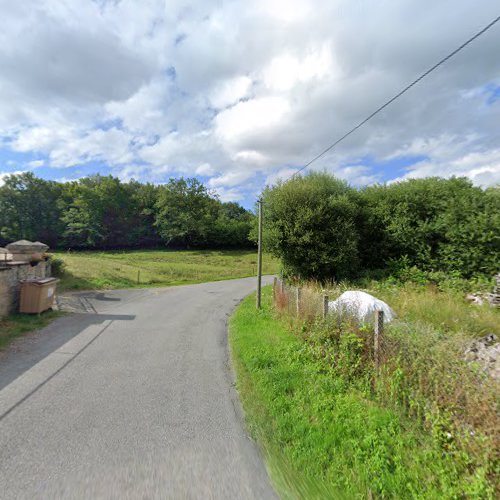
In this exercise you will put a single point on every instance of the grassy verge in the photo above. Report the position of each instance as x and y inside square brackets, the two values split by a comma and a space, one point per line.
[107, 270]
[309, 400]
[16, 325]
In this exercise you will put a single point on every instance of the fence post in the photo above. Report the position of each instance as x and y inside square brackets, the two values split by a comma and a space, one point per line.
[299, 296]
[325, 306]
[138, 277]
[377, 336]
[275, 286]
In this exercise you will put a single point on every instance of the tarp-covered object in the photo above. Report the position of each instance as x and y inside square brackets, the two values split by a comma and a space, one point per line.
[360, 306]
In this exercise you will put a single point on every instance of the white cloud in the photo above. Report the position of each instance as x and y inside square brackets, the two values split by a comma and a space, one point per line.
[230, 179]
[36, 163]
[240, 91]
[483, 168]
[236, 125]
[230, 91]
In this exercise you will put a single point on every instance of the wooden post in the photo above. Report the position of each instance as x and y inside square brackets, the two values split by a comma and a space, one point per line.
[275, 288]
[299, 296]
[325, 306]
[259, 256]
[377, 336]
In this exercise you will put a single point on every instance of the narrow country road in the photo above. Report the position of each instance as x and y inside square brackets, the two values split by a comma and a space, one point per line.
[132, 399]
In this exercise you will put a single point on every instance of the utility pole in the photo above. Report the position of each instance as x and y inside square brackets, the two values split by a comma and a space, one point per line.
[259, 255]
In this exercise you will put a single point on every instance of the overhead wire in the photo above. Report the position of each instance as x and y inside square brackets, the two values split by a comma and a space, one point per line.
[399, 94]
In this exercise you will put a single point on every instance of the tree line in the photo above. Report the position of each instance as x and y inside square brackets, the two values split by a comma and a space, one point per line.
[321, 228]
[317, 225]
[101, 212]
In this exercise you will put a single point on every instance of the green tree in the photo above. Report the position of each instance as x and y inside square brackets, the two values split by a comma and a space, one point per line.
[232, 226]
[186, 213]
[310, 224]
[29, 209]
[433, 224]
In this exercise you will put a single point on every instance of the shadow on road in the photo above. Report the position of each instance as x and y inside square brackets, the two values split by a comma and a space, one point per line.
[27, 351]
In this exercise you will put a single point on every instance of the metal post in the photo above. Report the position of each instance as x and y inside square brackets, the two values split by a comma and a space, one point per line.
[259, 256]
[377, 336]
[299, 296]
[138, 277]
[325, 306]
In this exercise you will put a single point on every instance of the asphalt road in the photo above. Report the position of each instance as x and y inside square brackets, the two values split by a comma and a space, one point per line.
[132, 400]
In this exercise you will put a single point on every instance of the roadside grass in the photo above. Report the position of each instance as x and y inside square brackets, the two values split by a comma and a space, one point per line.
[16, 324]
[326, 432]
[119, 269]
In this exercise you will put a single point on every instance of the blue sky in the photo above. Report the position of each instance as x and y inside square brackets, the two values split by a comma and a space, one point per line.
[240, 94]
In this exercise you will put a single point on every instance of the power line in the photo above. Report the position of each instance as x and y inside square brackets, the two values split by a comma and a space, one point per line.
[399, 94]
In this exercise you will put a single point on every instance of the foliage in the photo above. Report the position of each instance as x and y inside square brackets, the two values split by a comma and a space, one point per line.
[101, 212]
[329, 432]
[58, 266]
[435, 224]
[29, 209]
[310, 224]
[322, 229]
[155, 268]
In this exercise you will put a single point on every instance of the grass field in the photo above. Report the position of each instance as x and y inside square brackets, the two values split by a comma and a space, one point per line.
[16, 325]
[156, 268]
[309, 401]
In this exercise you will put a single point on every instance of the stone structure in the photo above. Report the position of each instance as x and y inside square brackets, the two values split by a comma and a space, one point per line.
[489, 298]
[5, 255]
[17, 268]
[495, 296]
[23, 250]
[486, 353]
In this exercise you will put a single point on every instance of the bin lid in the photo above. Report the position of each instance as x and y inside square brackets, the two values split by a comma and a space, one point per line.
[39, 281]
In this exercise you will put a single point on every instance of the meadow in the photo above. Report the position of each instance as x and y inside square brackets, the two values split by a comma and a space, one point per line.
[154, 268]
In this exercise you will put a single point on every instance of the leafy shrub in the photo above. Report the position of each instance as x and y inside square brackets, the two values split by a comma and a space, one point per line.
[310, 224]
[435, 225]
[58, 266]
[422, 229]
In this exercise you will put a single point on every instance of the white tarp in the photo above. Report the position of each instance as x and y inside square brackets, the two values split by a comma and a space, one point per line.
[360, 306]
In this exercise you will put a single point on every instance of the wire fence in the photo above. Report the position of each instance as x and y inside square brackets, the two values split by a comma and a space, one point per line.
[409, 365]
[308, 304]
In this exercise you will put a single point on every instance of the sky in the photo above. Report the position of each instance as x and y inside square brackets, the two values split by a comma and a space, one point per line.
[242, 93]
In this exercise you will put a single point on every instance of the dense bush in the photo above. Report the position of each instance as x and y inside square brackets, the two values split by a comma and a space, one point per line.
[102, 212]
[310, 223]
[323, 229]
[435, 224]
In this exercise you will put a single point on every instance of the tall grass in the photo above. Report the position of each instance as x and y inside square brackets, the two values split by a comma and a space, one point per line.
[422, 370]
[329, 424]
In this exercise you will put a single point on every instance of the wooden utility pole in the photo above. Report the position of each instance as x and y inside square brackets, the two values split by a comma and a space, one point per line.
[259, 256]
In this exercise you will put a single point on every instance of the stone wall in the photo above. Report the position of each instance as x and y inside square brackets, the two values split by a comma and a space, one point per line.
[11, 273]
[15, 266]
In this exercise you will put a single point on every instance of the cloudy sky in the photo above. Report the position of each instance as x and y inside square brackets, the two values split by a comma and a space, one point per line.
[239, 93]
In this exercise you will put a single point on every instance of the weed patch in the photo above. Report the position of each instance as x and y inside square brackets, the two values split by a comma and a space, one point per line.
[16, 325]
[331, 427]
